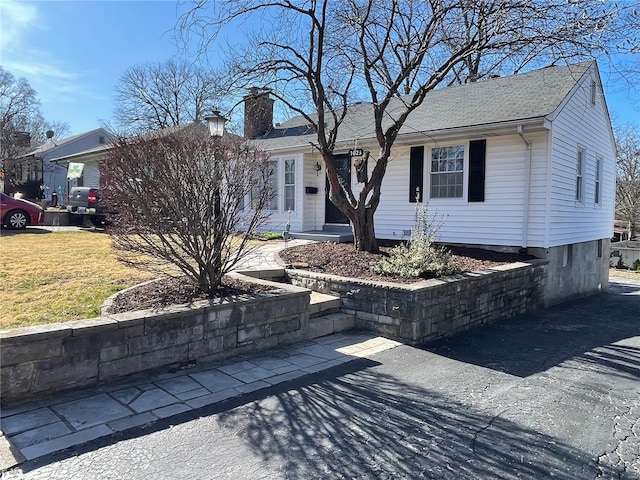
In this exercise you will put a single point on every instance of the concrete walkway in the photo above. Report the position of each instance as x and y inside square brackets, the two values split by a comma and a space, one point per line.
[264, 255]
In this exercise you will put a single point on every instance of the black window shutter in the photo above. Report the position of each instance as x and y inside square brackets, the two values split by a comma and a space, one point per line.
[416, 173]
[477, 154]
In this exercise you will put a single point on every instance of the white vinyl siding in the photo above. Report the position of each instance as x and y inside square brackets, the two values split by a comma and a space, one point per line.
[496, 221]
[554, 216]
[91, 175]
[579, 123]
[272, 184]
[312, 206]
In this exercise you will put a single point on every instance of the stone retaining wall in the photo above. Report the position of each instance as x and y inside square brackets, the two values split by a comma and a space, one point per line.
[430, 309]
[56, 218]
[40, 360]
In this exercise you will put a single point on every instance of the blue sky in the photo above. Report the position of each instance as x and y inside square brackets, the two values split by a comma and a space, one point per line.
[74, 52]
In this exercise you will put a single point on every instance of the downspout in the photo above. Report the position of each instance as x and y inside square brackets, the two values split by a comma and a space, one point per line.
[527, 187]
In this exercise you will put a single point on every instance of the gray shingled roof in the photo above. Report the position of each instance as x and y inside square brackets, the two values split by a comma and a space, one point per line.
[531, 95]
[103, 148]
[57, 143]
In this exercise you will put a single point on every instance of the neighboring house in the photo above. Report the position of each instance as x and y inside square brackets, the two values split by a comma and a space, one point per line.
[525, 162]
[91, 157]
[627, 251]
[38, 165]
[620, 234]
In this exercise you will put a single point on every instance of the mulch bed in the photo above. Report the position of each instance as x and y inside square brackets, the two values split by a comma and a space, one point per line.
[332, 258]
[341, 259]
[175, 291]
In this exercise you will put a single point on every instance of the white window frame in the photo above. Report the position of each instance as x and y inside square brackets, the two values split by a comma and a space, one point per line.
[441, 174]
[289, 185]
[597, 194]
[580, 164]
[273, 182]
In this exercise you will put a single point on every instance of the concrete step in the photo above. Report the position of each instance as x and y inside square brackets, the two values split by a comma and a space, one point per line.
[336, 228]
[321, 304]
[330, 323]
[320, 236]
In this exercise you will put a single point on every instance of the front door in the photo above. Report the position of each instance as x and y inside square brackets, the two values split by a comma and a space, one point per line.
[332, 214]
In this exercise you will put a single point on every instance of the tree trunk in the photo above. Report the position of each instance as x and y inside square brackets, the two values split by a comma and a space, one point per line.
[364, 234]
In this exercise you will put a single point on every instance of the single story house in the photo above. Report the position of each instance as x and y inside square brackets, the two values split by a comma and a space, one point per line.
[38, 164]
[90, 158]
[518, 163]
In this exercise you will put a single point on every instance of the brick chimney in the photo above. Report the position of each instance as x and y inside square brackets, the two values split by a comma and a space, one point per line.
[258, 112]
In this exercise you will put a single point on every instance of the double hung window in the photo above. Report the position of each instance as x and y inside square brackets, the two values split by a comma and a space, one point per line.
[447, 171]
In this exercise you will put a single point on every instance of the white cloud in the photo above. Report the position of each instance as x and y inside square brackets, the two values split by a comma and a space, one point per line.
[15, 18]
[51, 80]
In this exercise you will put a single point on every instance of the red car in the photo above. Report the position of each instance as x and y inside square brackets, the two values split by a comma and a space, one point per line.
[18, 214]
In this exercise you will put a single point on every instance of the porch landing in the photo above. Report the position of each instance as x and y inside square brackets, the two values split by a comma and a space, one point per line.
[329, 233]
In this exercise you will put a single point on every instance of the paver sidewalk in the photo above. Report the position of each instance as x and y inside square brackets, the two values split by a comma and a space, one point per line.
[39, 428]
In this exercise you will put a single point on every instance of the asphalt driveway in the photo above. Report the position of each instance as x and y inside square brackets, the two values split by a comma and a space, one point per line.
[548, 395]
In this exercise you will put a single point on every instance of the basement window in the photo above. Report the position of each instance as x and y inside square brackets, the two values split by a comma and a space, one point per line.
[567, 251]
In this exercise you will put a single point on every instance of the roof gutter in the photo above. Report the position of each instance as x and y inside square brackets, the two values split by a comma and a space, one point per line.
[527, 187]
[410, 138]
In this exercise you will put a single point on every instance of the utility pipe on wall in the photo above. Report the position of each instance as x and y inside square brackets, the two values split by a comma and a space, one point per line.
[527, 187]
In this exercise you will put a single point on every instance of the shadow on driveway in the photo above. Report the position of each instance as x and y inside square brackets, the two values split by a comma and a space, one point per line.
[370, 425]
[593, 328]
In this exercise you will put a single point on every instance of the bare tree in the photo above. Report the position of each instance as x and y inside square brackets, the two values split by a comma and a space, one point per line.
[319, 56]
[628, 176]
[154, 96]
[40, 127]
[18, 105]
[588, 29]
[22, 126]
[180, 201]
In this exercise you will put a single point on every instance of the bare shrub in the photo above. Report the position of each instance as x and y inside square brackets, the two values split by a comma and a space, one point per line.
[180, 200]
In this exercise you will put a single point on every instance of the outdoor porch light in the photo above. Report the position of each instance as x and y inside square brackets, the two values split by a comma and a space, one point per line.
[216, 122]
[318, 167]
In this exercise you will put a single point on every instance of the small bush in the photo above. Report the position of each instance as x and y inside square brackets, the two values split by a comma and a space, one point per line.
[636, 265]
[620, 265]
[421, 257]
[271, 235]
